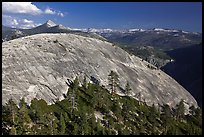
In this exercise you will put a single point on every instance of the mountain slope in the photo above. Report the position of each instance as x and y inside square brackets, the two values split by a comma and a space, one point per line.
[5, 28]
[39, 66]
[137, 41]
[48, 27]
[11, 33]
[149, 54]
[165, 39]
[98, 112]
[187, 69]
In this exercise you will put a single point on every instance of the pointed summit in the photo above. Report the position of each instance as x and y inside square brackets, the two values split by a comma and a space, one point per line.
[50, 23]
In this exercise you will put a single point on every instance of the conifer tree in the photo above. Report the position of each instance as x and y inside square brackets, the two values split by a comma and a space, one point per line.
[24, 118]
[180, 109]
[12, 131]
[76, 84]
[113, 81]
[62, 125]
[13, 111]
[52, 124]
[192, 110]
[84, 84]
[166, 116]
[127, 88]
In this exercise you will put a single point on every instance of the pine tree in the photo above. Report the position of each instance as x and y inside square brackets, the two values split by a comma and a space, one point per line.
[75, 130]
[14, 36]
[198, 116]
[76, 84]
[38, 110]
[72, 94]
[62, 125]
[192, 110]
[24, 118]
[12, 131]
[66, 118]
[73, 102]
[180, 109]
[153, 114]
[113, 81]
[13, 112]
[127, 88]
[84, 84]
[52, 124]
[166, 116]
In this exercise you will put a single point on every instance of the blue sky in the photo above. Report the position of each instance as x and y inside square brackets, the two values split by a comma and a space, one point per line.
[116, 15]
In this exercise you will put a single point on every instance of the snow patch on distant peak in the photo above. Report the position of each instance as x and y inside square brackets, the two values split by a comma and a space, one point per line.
[159, 29]
[50, 23]
[61, 26]
[165, 30]
[185, 32]
[196, 33]
[100, 30]
[132, 30]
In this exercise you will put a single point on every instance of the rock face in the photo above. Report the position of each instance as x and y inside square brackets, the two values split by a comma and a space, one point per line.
[38, 66]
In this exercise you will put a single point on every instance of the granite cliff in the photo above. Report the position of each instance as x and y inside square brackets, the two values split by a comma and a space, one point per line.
[38, 66]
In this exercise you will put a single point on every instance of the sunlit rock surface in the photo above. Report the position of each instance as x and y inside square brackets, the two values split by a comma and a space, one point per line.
[38, 66]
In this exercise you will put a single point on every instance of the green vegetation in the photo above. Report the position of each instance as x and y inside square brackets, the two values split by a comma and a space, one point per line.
[153, 55]
[145, 52]
[127, 88]
[151, 67]
[113, 81]
[14, 36]
[92, 110]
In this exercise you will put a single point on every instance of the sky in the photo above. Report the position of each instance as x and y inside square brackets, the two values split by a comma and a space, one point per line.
[114, 15]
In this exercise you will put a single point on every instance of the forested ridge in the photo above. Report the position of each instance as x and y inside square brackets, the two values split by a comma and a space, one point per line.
[91, 109]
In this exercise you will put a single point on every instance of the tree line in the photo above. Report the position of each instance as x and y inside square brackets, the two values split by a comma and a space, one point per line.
[76, 114]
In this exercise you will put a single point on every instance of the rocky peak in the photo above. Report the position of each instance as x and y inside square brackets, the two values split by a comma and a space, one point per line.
[50, 23]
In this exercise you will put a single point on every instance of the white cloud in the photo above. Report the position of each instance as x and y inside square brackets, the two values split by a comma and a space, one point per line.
[60, 14]
[49, 11]
[26, 24]
[18, 23]
[14, 22]
[53, 12]
[9, 21]
[9, 8]
[27, 21]
[20, 7]
[27, 8]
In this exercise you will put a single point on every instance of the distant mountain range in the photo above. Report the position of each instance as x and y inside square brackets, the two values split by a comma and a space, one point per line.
[164, 39]
[48, 27]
